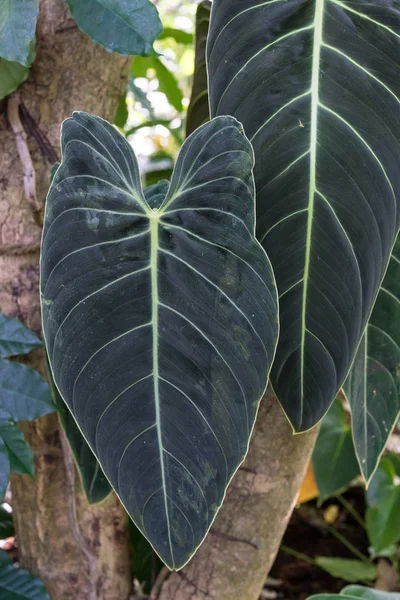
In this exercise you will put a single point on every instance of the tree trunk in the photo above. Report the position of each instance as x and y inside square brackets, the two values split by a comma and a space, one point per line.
[242, 544]
[80, 552]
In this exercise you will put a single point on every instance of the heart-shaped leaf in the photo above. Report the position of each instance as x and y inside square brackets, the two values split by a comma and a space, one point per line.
[373, 384]
[316, 85]
[160, 319]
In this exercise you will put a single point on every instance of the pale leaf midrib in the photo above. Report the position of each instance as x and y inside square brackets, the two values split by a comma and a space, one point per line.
[154, 226]
[318, 26]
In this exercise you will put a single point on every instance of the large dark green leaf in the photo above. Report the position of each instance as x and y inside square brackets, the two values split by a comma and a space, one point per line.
[373, 385]
[94, 482]
[17, 29]
[18, 584]
[198, 111]
[316, 85]
[123, 26]
[160, 319]
[334, 461]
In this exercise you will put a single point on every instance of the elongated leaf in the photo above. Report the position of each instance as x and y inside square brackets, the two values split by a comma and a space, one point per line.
[4, 468]
[123, 26]
[383, 497]
[161, 339]
[334, 461]
[15, 338]
[24, 394]
[182, 37]
[6, 524]
[348, 569]
[17, 29]
[373, 385]
[316, 87]
[20, 454]
[18, 584]
[198, 111]
[167, 82]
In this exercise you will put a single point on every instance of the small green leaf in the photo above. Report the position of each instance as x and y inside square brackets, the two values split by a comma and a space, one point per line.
[17, 29]
[18, 584]
[122, 26]
[24, 394]
[19, 452]
[121, 115]
[383, 512]
[4, 469]
[6, 524]
[334, 461]
[182, 37]
[15, 338]
[348, 569]
[12, 74]
[167, 82]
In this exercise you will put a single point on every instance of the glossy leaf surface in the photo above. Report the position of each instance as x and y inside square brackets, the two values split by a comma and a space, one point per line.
[17, 29]
[123, 26]
[334, 461]
[373, 384]
[94, 482]
[316, 86]
[198, 110]
[160, 319]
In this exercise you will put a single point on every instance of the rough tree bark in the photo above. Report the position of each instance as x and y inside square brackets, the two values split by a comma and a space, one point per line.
[80, 552]
[242, 544]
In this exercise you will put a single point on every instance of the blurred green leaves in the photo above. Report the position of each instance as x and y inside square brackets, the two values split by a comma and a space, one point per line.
[334, 461]
[383, 512]
[167, 82]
